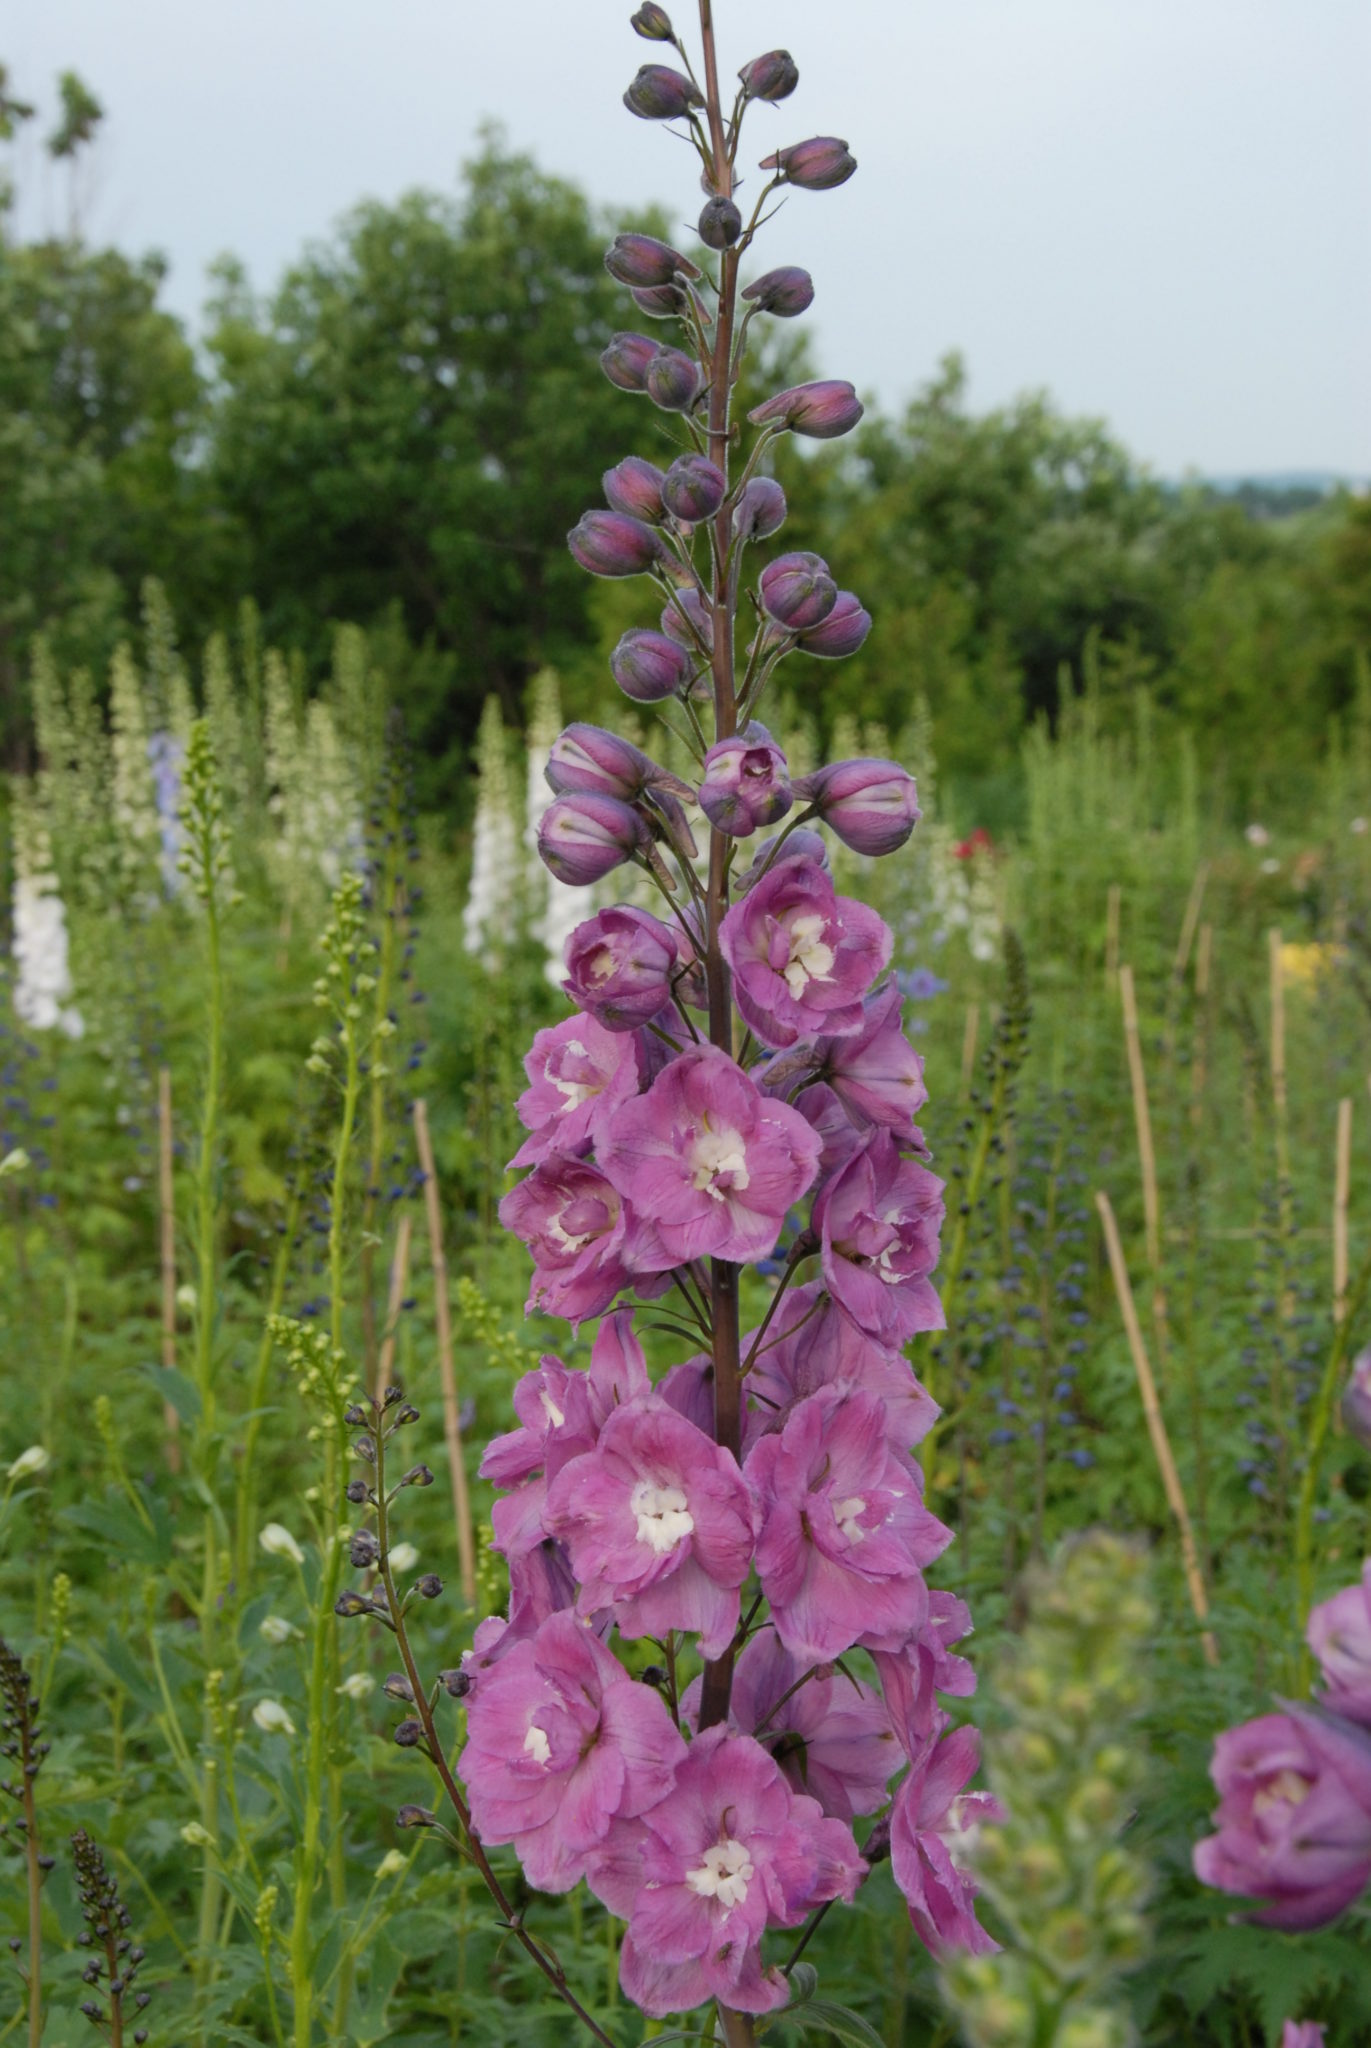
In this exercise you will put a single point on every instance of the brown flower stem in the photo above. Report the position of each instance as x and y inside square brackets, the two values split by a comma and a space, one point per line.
[32, 1851]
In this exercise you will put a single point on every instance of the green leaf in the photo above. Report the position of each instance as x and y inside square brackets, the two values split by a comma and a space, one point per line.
[804, 1983]
[819, 2016]
[173, 1386]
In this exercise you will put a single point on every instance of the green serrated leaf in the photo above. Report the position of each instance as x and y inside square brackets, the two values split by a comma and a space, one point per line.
[819, 2016]
[173, 1386]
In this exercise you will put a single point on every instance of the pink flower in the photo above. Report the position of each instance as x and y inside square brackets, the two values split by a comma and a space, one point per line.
[878, 1220]
[1302, 2034]
[923, 1665]
[1339, 1634]
[560, 1740]
[802, 956]
[844, 1531]
[745, 783]
[832, 1736]
[619, 967]
[658, 1524]
[578, 1074]
[708, 1161]
[811, 1345]
[585, 1242]
[875, 1072]
[929, 1828]
[540, 1584]
[732, 1852]
[1294, 1817]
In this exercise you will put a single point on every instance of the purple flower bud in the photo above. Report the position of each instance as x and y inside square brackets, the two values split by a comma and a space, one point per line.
[784, 292]
[771, 77]
[817, 165]
[634, 487]
[648, 667]
[588, 757]
[798, 844]
[673, 380]
[873, 806]
[745, 783]
[653, 23]
[583, 837]
[659, 301]
[798, 591]
[823, 410]
[625, 361]
[842, 632]
[686, 620]
[1356, 1399]
[613, 544]
[760, 510]
[643, 260]
[720, 224]
[660, 94]
[693, 488]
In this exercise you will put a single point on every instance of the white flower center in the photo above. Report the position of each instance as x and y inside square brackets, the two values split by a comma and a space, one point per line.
[663, 1518]
[537, 1746]
[724, 1875]
[846, 1513]
[563, 1239]
[718, 1156]
[810, 959]
[599, 966]
[1286, 1788]
[576, 1092]
[550, 1409]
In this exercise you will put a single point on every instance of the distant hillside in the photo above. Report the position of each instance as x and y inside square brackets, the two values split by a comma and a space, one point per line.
[1279, 493]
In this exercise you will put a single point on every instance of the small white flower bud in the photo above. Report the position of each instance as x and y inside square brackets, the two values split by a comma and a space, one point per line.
[403, 1557]
[272, 1718]
[277, 1541]
[34, 1459]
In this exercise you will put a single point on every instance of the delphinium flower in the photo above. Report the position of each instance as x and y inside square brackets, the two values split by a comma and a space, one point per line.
[166, 757]
[42, 982]
[720, 1649]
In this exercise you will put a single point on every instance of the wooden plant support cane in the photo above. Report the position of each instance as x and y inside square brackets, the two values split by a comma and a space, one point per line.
[1147, 1159]
[167, 1198]
[1156, 1428]
[461, 1497]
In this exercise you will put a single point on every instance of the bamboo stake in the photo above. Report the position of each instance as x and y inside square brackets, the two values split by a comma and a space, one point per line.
[1342, 1183]
[461, 1498]
[1190, 921]
[1156, 1428]
[1147, 1159]
[1279, 1100]
[1113, 904]
[399, 1280]
[167, 1197]
[1203, 961]
[969, 1036]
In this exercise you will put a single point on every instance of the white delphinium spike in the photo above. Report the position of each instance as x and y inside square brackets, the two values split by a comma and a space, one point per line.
[330, 826]
[134, 806]
[494, 855]
[41, 957]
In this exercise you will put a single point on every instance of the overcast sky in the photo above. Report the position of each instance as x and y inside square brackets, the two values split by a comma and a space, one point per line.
[1158, 210]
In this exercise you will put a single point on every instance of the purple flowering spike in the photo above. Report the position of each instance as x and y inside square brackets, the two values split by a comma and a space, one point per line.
[770, 77]
[648, 667]
[1339, 1634]
[620, 968]
[560, 1742]
[658, 1525]
[817, 165]
[673, 380]
[928, 1824]
[582, 837]
[686, 620]
[732, 1852]
[798, 591]
[831, 1125]
[689, 1389]
[872, 806]
[553, 1407]
[760, 510]
[660, 94]
[659, 301]
[578, 1072]
[540, 1584]
[878, 1221]
[708, 1161]
[641, 260]
[842, 632]
[720, 224]
[796, 843]
[1356, 1399]
[625, 361]
[786, 292]
[802, 956]
[693, 489]
[634, 487]
[822, 410]
[1294, 1818]
[613, 544]
[587, 1245]
[845, 1534]
[745, 783]
[810, 1346]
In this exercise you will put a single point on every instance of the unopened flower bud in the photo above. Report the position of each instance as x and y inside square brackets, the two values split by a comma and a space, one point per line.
[660, 94]
[349, 1605]
[277, 1541]
[798, 591]
[770, 77]
[785, 292]
[822, 410]
[842, 632]
[363, 1550]
[817, 165]
[29, 1463]
[693, 488]
[456, 1684]
[415, 1817]
[797, 845]
[587, 757]
[872, 806]
[584, 836]
[356, 1416]
[403, 1557]
[625, 360]
[654, 1674]
[745, 783]
[760, 511]
[653, 23]
[410, 1733]
[648, 667]
[358, 1685]
[659, 301]
[430, 1586]
[1356, 1399]
[356, 1491]
[613, 544]
[634, 487]
[673, 380]
[720, 224]
[272, 1718]
[418, 1475]
[687, 621]
[643, 260]
[398, 1687]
